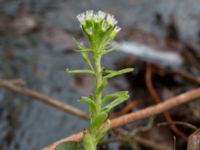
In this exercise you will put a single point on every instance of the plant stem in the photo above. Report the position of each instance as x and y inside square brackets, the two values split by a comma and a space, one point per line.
[97, 98]
[98, 75]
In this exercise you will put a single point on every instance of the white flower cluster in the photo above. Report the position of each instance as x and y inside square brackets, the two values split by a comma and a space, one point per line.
[97, 17]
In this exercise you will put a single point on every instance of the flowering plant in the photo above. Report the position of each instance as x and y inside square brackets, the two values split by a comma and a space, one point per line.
[100, 29]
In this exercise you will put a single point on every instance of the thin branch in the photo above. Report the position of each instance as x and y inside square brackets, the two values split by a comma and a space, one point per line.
[183, 74]
[140, 140]
[17, 81]
[126, 109]
[144, 113]
[191, 58]
[186, 124]
[149, 143]
[157, 99]
[174, 145]
[11, 85]
[140, 129]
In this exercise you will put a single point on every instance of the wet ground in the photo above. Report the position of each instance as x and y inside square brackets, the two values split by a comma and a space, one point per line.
[40, 54]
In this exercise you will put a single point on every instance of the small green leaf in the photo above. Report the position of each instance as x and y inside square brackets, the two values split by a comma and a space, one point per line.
[90, 102]
[100, 134]
[112, 73]
[99, 120]
[116, 102]
[113, 95]
[68, 146]
[83, 71]
[84, 52]
[111, 48]
[103, 84]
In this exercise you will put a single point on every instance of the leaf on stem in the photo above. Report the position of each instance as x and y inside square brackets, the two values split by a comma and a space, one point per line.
[90, 102]
[102, 86]
[115, 102]
[110, 48]
[99, 120]
[112, 73]
[113, 95]
[83, 71]
[84, 52]
[100, 133]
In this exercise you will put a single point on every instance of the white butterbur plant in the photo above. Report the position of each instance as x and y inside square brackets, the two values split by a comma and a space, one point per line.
[100, 29]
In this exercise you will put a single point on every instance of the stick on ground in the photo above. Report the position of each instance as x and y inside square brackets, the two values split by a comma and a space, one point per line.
[10, 85]
[144, 113]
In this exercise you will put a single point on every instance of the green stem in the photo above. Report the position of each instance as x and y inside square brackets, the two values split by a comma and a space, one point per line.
[98, 75]
[97, 97]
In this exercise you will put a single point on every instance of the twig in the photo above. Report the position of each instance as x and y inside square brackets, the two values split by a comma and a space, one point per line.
[183, 74]
[147, 127]
[144, 113]
[186, 75]
[149, 144]
[157, 99]
[140, 140]
[178, 123]
[16, 81]
[191, 59]
[11, 85]
[126, 109]
[174, 146]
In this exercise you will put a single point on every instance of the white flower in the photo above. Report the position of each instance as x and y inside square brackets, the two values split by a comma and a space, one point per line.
[104, 26]
[97, 22]
[101, 14]
[89, 14]
[111, 20]
[117, 29]
[81, 18]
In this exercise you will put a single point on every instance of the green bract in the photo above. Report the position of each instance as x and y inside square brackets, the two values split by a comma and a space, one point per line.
[100, 29]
